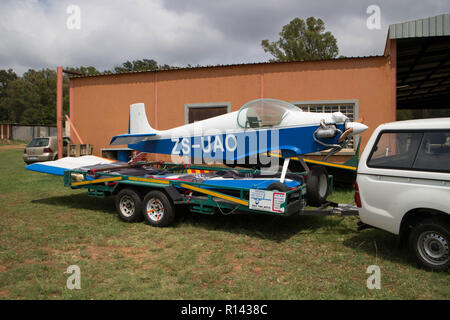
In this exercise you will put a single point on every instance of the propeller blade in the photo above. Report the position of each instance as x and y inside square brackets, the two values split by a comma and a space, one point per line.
[345, 134]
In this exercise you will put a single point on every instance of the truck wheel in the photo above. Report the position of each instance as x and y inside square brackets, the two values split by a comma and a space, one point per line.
[129, 205]
[429, 242]
[317, 186]
[157, 209]
[277, 186]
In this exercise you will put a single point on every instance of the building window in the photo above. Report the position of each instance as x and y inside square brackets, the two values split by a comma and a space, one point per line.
[347, 107]
[197, 112]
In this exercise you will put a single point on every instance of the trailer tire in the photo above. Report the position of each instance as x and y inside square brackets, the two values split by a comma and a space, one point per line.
[277, 186]
[129, 205]
[317, 186]
[157, 209]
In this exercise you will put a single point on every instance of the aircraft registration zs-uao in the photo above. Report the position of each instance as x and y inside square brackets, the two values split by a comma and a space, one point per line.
[258, 127]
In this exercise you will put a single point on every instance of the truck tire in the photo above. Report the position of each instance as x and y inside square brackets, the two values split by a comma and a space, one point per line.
[129, 205]
[317, 186]
[157, 209]
[429, 243]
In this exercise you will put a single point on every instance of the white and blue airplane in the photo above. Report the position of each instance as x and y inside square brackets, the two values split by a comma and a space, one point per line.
[258, 127]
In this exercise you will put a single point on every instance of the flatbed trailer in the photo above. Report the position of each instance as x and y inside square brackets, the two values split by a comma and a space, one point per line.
[155, 198]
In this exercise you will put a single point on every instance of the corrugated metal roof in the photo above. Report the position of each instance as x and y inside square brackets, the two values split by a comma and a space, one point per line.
[222, 65]
[427, 27]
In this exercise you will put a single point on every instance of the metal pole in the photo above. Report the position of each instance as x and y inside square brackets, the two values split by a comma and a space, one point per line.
[59, 118]
[261, 83]
[156, 100]
[72, 128]
[393, 61]
[285, 168]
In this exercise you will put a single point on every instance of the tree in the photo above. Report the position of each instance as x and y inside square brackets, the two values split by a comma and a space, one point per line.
[16, 100]
[90, 71]
[137, 65]
[140, 65]
[302, 41]
[6, 76]
[31, 99]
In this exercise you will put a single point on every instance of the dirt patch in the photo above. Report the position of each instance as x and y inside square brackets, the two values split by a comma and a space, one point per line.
[105, 253]
[12, 146]
[258, 271]
[4, 294]
[203, 256]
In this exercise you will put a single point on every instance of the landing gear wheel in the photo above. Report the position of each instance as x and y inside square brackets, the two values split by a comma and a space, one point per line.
[129, 205]
[277, 186]
[429, 242]
[157, 209]
[317, 186]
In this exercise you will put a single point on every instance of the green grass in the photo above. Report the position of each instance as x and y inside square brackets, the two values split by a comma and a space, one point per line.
[44, 228]
[7, 142]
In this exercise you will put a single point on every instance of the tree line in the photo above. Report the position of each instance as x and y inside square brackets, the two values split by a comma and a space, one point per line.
[30, 99]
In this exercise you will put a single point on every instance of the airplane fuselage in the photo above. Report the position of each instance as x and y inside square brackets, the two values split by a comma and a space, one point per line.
[258, 127]
[213, 139]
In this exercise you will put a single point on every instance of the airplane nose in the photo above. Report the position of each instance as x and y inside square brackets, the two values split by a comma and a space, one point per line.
[357, 127]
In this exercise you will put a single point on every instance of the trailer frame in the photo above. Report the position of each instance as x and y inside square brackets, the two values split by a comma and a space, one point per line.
[199, 197]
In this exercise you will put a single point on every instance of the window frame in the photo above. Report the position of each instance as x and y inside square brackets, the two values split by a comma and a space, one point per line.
[324, 103]
[423, 131]
[188, 106]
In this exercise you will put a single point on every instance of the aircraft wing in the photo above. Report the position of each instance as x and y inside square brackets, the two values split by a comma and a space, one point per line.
[57, 167]
[130, 138]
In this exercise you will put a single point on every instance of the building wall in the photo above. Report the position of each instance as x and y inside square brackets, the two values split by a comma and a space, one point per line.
[100, 104]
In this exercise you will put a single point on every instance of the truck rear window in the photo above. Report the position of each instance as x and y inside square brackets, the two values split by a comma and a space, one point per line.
[425, 151]
[434, 152]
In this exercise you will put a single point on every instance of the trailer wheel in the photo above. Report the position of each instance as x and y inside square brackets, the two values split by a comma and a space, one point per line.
[317, 186]
[129, 205]
[429, 242]
[157, 209]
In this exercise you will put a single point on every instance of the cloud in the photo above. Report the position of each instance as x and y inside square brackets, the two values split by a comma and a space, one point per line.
[33, 33]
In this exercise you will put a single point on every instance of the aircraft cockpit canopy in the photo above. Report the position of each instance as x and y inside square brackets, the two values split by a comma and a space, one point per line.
[262, 113]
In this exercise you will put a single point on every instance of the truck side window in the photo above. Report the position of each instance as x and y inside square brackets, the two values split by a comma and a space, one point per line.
[395, 150]
[434, 152]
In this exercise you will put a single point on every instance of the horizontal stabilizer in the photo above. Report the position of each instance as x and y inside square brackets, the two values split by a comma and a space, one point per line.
[130, 138]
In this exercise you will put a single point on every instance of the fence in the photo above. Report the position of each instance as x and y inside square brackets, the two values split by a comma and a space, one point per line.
[5, 131]
[25, 133]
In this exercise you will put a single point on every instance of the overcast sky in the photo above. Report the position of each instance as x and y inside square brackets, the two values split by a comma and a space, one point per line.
[35, 33]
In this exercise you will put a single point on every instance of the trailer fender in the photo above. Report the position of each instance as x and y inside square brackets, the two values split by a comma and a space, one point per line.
[173, 193]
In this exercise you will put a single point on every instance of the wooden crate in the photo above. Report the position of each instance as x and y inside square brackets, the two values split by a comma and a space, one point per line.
[78, 150]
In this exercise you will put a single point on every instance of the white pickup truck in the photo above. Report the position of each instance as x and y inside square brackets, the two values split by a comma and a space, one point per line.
[403, 186]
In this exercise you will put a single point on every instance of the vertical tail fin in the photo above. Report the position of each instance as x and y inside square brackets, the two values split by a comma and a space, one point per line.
[138, 121]
[138, 127]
